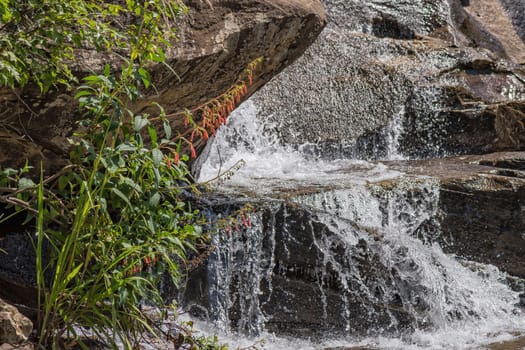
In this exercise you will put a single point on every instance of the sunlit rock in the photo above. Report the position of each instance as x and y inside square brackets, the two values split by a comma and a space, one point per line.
[447, 72]
[15, 328]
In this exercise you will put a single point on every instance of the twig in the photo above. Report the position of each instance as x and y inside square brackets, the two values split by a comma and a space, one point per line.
[30, 110]
[227, 173]
[220, 161]
[18, 202]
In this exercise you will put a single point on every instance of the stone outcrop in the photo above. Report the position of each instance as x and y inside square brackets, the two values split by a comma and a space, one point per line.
[353, 258]
[217, 41]
[300, 272]
[15, 328]
[483, 203]
[447, 75]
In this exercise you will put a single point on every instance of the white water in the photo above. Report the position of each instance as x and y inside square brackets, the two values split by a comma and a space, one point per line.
[248, 155]
[468, 307]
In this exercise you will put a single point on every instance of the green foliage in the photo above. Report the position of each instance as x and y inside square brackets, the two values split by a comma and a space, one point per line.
[116, 218]
[39, 39]
[113, 221]
[123, 220]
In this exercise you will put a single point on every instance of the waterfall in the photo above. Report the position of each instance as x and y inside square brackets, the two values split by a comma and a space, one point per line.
[247, 141]
[340, 252]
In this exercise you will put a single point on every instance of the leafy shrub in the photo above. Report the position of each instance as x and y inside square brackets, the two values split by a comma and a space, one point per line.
[38, 38]
[117, 217]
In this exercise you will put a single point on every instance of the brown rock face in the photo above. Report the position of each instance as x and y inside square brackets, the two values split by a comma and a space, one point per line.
[491, 24]
[217, 40]
[15, 328]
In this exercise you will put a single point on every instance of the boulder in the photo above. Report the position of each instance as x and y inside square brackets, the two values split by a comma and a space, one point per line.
[435, 78]
[296, 271]
[217, 41]
[15, 328]
[365, 257]
[482, 199]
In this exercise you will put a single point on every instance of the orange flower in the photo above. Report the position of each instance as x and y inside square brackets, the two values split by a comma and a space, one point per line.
[193, 153]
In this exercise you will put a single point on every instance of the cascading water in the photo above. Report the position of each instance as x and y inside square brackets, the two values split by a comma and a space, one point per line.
[338, 254]
[247, 142]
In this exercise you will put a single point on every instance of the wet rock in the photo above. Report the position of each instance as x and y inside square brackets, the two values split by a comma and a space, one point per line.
[485, 218]
[294, 273]
[443, 75]
[15, 328]
[522, 300]
[518, 343]
[362, 259]
[482, 199]
[17, 271]
[218, 39]
[324, 260]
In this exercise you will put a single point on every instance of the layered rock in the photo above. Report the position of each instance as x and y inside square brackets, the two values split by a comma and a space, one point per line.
[217, 41]
[351, 257]
[300, 270]
[447, 73]
[483, 203]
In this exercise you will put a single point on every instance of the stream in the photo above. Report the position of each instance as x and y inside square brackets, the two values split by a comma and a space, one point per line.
[336, 254]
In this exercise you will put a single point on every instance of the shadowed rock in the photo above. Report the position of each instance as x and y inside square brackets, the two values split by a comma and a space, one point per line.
[483, 203]
[343, 257]
[217, 41]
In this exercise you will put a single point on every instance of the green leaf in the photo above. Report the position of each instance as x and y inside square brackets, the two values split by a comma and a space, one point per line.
[73, 273]
[121, 195]
[25, 183]
[145, 77]
[140, 122]
[126, 147]
[167, 129]
[132, 184]
[154, 200]
[152, 135]
[63, 181]
[157, 156]
[82, 93]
